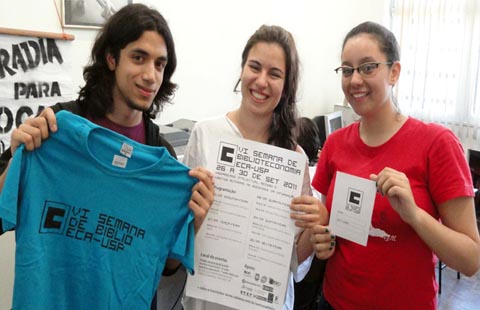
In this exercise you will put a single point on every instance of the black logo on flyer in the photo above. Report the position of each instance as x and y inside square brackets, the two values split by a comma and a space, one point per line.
[227, 154]
[354, 201]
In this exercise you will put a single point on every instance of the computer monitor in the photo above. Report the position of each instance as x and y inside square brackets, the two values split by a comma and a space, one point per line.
[177, 138]
[177, 134]
[183, 124]
[327, 124]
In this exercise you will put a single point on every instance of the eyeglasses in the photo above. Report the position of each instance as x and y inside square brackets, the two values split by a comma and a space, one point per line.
[365, 69]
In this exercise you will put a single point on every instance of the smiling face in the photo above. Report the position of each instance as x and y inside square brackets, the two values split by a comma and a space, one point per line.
[138, 72]
[368, 94]
[263, 78]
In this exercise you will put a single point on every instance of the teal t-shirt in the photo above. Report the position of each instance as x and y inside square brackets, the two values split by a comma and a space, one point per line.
[95, 216]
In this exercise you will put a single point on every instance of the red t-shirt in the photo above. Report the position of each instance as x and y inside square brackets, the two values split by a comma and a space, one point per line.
[396, 270]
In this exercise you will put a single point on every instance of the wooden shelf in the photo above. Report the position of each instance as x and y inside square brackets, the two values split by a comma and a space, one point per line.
[34, 33]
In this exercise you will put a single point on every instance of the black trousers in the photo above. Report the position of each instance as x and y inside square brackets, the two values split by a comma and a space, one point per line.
[323, 304]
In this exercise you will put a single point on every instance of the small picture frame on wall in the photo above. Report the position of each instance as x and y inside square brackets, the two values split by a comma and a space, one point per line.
[89, 13]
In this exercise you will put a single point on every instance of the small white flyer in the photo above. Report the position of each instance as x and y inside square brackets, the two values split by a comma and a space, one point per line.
[352, 207]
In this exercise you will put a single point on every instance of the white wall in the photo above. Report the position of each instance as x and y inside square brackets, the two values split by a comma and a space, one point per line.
[210, 36]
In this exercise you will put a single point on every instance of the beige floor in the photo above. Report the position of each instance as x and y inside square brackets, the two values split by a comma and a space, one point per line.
[459, 294]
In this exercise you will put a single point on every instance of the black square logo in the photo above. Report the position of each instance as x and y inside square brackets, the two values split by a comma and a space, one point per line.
[227, 154]
[354, 200]
[54, 217]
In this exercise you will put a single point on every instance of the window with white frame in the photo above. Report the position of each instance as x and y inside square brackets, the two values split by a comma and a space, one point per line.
[440, 57]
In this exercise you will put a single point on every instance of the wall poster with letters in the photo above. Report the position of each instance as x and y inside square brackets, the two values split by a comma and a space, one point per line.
[34, 73]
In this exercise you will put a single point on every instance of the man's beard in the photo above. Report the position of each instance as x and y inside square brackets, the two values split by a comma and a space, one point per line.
[134, 106]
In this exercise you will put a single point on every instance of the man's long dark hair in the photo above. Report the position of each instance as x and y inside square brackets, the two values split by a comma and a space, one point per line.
[282, 129]
[124, 27]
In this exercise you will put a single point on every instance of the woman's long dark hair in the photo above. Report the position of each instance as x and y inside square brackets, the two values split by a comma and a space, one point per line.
[125, 26]
[282, 129]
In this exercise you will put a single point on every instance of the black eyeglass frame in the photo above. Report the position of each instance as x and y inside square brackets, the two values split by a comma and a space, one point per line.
[359, 68]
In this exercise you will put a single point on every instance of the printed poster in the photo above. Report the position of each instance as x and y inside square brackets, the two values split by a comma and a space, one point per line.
[244, 247]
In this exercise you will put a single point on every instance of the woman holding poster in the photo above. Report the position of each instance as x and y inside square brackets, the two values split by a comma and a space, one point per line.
[267, 114]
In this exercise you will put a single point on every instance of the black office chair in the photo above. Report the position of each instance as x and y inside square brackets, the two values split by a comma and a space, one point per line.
[442, 266]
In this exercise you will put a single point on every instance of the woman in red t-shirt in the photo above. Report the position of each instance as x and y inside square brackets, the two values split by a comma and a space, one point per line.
[424, 202]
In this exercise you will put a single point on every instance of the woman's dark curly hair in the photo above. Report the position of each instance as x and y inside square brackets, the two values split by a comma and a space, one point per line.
[125, 26]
